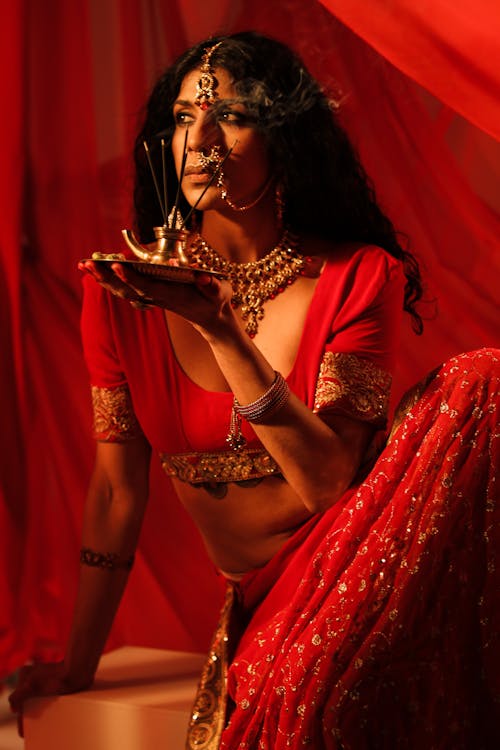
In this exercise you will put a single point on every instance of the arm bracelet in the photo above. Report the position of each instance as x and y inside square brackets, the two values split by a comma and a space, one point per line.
[106, 560]
[257, 411]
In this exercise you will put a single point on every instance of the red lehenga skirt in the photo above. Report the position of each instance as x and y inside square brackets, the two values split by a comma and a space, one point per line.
[377, 625]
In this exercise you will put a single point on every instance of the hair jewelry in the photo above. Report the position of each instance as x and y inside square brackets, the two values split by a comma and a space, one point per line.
[207, 83]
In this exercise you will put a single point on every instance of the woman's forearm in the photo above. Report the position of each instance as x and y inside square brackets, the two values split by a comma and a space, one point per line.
[318, 460]
[112, 521]
[98, 597]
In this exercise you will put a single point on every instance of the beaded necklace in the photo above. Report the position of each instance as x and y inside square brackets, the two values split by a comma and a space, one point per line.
[256, 282]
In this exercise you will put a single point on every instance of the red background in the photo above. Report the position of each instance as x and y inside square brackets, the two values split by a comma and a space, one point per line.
[420, 86]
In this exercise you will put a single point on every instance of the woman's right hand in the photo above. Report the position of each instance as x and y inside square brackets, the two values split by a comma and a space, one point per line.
[40, 680]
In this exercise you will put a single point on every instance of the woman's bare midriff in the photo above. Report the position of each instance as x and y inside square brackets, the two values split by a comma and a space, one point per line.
[244, 529]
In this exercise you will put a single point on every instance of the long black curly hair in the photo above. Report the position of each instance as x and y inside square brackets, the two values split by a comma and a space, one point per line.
[326, 191]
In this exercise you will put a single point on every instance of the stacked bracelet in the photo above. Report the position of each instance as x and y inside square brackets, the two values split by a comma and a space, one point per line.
[257, 411]
[107, 560]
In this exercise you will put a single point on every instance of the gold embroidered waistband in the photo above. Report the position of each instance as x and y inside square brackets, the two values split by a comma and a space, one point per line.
[222, 466]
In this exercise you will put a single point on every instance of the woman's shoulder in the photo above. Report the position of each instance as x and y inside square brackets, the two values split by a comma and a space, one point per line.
[352, 256]
[348, 253]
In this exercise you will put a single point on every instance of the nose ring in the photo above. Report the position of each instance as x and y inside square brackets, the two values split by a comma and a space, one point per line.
[209, 158]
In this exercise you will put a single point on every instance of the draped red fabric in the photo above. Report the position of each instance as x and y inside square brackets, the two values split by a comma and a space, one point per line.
[12, 479]
[75, 76]
[450, 48]
[363, 631]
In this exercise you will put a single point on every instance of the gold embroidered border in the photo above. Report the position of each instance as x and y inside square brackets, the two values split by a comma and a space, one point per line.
[209, 710]
[354, 386]
[223, 466]
[114, 417]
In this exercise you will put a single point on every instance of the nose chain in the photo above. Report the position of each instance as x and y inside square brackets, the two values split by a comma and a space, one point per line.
[210, 161]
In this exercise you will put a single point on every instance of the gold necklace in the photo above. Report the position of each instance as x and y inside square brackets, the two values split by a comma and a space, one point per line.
[257, 282]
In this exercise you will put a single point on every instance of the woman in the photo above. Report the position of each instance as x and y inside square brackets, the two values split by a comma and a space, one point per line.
[331, 629]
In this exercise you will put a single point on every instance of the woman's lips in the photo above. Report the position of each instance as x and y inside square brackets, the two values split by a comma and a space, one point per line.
[197, 176]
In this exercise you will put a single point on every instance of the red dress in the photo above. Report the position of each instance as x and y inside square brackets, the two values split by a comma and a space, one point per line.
[376, 625]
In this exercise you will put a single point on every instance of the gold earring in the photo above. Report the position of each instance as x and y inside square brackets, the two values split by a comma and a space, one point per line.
[280, 203]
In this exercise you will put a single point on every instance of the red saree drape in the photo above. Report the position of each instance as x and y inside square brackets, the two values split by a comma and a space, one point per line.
[378, 625]
[74, 77]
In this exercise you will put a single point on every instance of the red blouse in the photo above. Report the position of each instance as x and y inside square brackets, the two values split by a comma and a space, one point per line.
[344, 361]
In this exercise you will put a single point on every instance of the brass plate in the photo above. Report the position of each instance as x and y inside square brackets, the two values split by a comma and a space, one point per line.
[181, 274]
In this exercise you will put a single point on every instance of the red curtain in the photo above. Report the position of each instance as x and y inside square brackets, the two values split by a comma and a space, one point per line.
[13, 506]
[417, 97]
[451, 48]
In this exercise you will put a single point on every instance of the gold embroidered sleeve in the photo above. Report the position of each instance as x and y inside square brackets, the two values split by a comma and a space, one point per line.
[114, 417]
[353, 386]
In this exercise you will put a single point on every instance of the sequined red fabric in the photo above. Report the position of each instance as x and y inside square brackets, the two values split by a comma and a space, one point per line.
[377, 626]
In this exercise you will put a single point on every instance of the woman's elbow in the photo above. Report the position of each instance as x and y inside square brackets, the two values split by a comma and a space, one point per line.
[333, 475]
[326, 491]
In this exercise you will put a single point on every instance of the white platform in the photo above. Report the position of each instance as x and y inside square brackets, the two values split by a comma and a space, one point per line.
[141, 700]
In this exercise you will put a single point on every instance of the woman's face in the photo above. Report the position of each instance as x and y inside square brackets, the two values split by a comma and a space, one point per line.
[247, 170]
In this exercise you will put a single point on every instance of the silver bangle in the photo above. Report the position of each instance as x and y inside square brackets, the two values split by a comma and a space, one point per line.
[257, 411]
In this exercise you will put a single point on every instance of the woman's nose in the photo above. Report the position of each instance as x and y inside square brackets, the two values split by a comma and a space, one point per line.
[203, 132]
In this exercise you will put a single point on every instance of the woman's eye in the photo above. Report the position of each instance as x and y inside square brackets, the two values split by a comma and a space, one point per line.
[236, 118]
[183, 118]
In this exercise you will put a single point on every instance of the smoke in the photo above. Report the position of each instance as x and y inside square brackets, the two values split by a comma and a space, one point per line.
[273, 109]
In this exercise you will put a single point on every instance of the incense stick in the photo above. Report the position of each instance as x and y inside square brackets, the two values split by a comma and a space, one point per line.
[164, 175]
[181, 177]
[164, 203]
[209, 183]
[146, 148]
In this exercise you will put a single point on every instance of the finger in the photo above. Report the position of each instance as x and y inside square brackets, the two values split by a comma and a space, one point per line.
[204, 279]
[99, 273]
[141, 304]
[114, 286]
[138, 282]
[207, 284]
[19, 695]
[119, 271]
[105, 276]
[14, 702]
[150, 291]
[20, 724]
[132, 281]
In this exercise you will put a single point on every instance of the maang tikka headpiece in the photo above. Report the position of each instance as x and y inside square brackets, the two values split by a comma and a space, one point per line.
[205, 88]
